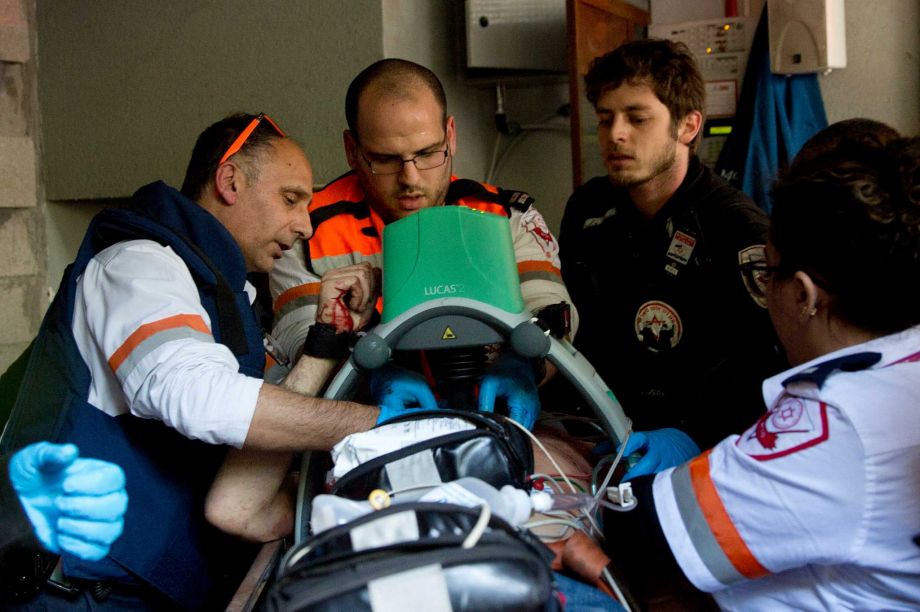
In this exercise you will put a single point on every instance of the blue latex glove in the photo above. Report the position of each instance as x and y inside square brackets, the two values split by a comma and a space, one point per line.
[660, 449]
[511, 378]
[397, 390]
[76, 506]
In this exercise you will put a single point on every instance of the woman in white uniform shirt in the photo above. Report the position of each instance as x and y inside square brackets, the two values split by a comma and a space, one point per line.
[817, 505]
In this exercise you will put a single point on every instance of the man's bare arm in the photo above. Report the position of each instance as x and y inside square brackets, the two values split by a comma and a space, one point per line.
[251, 496]
[287, 421]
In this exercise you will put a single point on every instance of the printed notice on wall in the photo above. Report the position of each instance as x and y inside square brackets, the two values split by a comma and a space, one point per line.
[721, 98]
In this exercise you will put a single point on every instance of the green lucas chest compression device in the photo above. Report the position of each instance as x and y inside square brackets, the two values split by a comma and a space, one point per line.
[450, 285]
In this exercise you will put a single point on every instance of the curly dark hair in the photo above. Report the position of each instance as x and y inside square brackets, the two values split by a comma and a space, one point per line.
[666, 66]
[214, 141]
[858, 130]
[850, 218]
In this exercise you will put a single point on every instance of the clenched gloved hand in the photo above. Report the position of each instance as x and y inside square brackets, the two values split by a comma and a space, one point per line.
[397, 390]
[76, 506]
[511, 378]
[660, 449]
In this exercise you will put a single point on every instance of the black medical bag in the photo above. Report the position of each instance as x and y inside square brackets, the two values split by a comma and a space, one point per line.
[410, 557]
[495, 451]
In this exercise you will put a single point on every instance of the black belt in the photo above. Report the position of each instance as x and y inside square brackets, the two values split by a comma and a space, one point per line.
[71, 588]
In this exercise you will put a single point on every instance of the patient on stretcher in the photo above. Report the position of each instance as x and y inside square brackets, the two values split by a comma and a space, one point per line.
[562, 465]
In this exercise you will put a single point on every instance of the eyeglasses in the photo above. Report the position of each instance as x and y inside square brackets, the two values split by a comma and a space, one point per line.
[244, 135]
[759, 266]
[757, 274]
[394, 164]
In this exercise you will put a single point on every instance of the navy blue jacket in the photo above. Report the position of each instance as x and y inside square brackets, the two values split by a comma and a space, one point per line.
[166, 543]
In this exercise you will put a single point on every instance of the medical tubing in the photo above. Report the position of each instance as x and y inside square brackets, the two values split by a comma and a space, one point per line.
[616, 461]
[511, 504]
[545, 452]
[572, 501]
[597, 470]
[485, 513]
[616, 589]
[588, 515]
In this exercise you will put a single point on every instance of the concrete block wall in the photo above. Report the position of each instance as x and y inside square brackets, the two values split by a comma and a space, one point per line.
[23, 260]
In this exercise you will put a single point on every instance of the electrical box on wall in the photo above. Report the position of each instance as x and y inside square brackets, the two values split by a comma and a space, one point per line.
[720, 48]
[806, 36]
[515, 37]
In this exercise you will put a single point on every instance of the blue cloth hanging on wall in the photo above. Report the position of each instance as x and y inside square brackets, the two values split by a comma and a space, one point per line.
[776, 115]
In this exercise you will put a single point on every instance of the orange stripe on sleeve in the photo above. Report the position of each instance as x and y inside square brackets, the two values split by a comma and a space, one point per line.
[537, 266]
[725, 532]
[148, 329]
[296, 292]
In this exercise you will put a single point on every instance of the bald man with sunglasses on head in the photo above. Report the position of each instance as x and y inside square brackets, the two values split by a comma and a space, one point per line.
[151, 357]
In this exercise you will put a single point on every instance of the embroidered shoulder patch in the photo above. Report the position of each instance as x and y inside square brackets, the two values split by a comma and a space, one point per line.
[792, 425]
[533, 222]
[658, 326]
[754, 282]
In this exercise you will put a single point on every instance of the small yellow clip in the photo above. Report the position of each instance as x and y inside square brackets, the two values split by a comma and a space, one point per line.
[379, 499]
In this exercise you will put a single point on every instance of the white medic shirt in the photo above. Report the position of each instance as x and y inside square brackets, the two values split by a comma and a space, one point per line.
[146, 338]
[295, 289]
[817, 506]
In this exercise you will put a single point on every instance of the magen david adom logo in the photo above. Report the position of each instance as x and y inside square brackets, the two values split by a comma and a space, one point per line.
[658, 326]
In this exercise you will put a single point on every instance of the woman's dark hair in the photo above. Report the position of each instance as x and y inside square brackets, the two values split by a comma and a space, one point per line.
[858, 130]
[214, 142]
[850, 218]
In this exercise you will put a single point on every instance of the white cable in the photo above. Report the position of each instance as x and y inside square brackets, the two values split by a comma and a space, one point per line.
[615, 507]
[395, 492]
[491, 171]
[485, 513]
[545, 452]
[616, 589]
[549, 417]
[613, 466]
[542, 125]
[517, 138]
[548, 480]
[588, 511]
[567, 525]
[296, 556]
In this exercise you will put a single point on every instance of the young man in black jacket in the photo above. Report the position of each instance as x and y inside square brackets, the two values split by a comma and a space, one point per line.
[654, 255]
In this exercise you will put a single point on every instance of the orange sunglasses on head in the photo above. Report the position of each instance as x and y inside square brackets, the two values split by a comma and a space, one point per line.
[244, 135]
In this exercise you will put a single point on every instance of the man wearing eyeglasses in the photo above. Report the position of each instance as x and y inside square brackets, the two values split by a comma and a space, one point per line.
[400, 144]
[151, 357]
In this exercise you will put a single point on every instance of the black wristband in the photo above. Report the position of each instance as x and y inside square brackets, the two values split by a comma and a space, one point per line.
[323, 342]
[557, 318]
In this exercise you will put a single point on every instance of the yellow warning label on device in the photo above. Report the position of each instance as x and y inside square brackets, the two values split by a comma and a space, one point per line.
[449, 334]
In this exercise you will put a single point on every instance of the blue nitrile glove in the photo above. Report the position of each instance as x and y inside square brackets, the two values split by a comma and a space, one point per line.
[76, 506]
[397, 390]
[511, 378]
[660, 449]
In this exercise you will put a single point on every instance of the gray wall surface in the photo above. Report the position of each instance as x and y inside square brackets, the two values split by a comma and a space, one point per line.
[538, 160]
[882, 81]
[23, 263]
[882, 77]
[126, 85]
